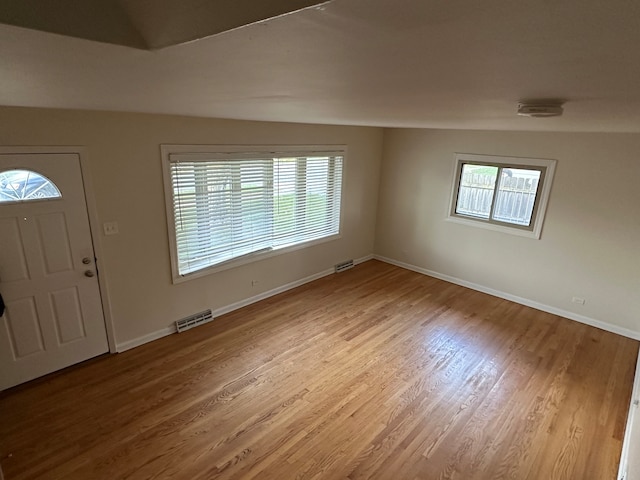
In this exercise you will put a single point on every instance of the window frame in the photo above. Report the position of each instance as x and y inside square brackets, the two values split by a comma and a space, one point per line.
[29, 198]
[534, 230]
[229, 152]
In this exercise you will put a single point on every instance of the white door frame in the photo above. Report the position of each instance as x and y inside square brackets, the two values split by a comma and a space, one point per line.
[631, 434]
[94, 224]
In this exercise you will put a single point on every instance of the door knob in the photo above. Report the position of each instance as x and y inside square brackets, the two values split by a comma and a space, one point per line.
[89, 273]
[86, 260]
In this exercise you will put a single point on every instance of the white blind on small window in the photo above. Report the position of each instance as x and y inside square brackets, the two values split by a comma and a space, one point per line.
[227, 208]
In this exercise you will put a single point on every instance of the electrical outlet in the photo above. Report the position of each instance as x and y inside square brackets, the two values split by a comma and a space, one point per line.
[110, 228]
[578, 300]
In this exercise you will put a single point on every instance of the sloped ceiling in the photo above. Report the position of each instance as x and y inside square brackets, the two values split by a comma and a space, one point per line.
[148, 24]
[402, 63]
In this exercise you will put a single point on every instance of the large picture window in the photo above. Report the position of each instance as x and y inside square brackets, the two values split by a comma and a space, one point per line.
[227, 207]
[501, 193]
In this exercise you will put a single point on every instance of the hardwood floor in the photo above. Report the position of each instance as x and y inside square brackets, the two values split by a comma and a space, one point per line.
[377, 372]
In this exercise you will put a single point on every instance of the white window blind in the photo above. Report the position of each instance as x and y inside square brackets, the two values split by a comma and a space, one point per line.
[225, 208]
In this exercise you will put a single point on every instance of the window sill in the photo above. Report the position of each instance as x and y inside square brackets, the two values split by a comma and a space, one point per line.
[250, 258]
[520, 232]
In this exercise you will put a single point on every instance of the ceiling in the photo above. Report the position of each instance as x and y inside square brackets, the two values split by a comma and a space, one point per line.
[396, 63]
[147, 24]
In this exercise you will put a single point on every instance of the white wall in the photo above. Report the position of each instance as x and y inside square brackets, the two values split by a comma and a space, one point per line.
[589, 244]
[124, 157]
[591, 236]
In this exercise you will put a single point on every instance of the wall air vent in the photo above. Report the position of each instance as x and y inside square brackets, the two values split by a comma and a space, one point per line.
[341, 267]
[194, 320]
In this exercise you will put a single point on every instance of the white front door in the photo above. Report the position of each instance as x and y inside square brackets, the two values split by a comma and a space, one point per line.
[53, 316]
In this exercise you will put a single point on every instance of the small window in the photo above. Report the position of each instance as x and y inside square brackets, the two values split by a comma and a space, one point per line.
[501, 193]
[25, 185]
[226, 208]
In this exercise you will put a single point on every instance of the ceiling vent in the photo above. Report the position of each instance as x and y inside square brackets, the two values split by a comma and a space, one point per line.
[540, 110]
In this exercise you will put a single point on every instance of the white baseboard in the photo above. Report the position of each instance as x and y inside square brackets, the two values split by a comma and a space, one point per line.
[360, 260]
[625, 332]
[150, 337]
[136, 342]
[270, 293]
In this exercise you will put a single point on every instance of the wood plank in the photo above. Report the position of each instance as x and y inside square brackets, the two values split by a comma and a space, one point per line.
[376, 372]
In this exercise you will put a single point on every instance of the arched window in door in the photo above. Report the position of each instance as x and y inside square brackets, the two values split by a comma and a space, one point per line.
[26, 185]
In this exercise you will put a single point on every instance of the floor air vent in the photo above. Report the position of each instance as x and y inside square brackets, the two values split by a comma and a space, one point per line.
[341, 267]
[194, 320]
